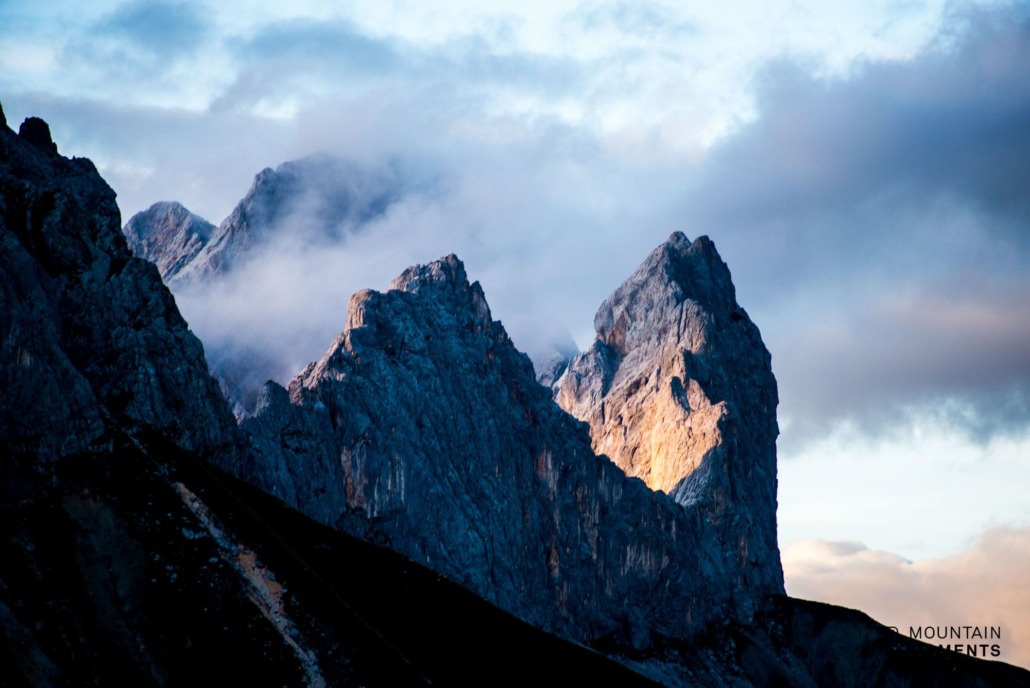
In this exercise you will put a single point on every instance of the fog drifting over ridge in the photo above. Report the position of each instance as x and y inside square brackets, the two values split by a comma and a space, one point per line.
[862, 218]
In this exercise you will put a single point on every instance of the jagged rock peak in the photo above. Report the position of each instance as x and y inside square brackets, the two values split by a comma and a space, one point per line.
[676, 271]
[37, 132]
[678, 391]
[168, 235]
[3, 117]
[423, 426]
[444, 278]
[551, 358]
[315, 199]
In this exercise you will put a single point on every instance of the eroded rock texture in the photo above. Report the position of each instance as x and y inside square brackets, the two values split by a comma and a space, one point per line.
[678, 390]
[168, 235]
[88, 334]
[453, 455]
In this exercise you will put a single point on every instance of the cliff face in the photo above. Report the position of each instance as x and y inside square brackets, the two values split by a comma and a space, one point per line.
[90, 336]
[127, 560]
[678, 390]
[451, 453]
[127, 557]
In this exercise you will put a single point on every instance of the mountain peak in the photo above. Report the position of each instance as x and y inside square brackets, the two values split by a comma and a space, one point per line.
[648, 304]
[444, 279]
[678, 391]
[313, 200]
[434, 436]
[37, 132]
[168, 235]
[449, 271]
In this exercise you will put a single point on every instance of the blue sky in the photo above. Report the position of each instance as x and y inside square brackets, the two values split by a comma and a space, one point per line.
[863, 167]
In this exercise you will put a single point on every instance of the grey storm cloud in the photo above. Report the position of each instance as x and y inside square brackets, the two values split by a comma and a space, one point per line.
[879, 226]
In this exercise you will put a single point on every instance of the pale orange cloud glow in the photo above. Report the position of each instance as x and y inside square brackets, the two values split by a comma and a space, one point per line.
[987, 585]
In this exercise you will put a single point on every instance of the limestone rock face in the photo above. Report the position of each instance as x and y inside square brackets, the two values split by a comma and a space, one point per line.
[313, 199]
[293, 454]
[88, 334]
[678, 390]
[452, 454]
[168, 235]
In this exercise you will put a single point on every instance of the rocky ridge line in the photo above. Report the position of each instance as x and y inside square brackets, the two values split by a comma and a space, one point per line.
[451, 453]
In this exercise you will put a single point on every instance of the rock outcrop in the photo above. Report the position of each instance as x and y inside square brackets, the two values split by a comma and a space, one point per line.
[168, 235]
[89, 336]
[678, 391]
[451, 453]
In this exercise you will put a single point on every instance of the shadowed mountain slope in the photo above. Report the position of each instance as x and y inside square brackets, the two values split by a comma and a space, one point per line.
[127, 558]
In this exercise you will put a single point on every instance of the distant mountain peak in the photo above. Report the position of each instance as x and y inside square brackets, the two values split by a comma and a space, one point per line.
[168, 235]
[315, 199]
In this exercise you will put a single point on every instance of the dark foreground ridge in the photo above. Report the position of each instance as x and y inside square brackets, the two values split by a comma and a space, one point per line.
[126, 558]
[146, 566]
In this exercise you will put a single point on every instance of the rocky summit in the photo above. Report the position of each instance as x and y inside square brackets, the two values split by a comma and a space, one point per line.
[678, 391]
[129, 558]
[423, 428]
[314, 199]
[168, 235]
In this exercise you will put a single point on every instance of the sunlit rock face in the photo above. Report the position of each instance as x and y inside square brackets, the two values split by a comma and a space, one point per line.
[678, 391]
[451, 453]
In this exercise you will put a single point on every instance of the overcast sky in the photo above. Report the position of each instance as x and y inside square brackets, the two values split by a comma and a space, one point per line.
[863, 168]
